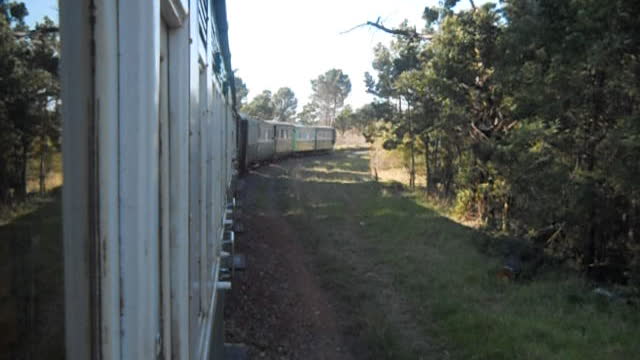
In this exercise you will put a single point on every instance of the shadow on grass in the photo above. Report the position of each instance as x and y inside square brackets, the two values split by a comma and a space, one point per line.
[404, 272]
[31, 284]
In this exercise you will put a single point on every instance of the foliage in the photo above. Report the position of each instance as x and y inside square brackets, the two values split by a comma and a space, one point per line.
[526, 112]
[29, 97]
[284, 104]
[241, 91]
[261, 106]
[309, 114]
[280, 106]
[345, 119]
[329, 92]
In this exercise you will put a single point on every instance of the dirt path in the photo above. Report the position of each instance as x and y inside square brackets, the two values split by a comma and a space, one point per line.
[277, 306]
[312, 290]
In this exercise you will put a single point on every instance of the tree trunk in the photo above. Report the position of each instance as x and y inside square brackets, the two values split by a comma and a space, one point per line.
[592, 254]
[374, 162]
[412, 170]
[412, 174]
[436, 168]
[43, 170]
[21, 186]
[427, 169]
[505, 215]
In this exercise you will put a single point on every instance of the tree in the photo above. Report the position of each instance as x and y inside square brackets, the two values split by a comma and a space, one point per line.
[284, 104]
[241, 91]
[309, 114]
[329, 92]
[261, 107]
[392, 64]
[44, 62]
[527, 115]
[345, 119]
[29, 90]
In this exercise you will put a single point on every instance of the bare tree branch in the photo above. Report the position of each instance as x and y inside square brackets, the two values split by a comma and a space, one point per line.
[409, 33]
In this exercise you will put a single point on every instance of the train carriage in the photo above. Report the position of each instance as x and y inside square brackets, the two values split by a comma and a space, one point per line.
[265, 142]
[305, 138]
[150, 130]
[152, 138]
[325, 138]
[284, 138]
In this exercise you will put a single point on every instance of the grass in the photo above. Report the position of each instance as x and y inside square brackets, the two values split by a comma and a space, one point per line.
[53, 178]
[435, 263]
[31, 280]
[403, 272]
[34, 200]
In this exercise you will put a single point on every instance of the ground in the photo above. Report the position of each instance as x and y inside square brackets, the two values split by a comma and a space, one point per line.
[342, 267]
[283, 306]
[31, 281]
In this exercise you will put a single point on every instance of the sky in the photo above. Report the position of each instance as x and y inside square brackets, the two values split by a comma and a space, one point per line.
[281, 43]
[290, 42]
[39, 8]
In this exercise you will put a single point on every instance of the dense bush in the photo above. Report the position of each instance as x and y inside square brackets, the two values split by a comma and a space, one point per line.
[527, 113]
[29, 98]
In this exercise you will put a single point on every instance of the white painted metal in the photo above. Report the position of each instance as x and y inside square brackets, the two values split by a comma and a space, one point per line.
[106, 110]
[204, 188]
[223, 285]
[149, 144]
[179, 94]
[174, 12]
[139, 41]
[165, 166]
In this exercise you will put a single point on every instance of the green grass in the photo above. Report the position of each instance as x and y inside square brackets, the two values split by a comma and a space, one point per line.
[382, 241]
[435, 263]
[31, 280]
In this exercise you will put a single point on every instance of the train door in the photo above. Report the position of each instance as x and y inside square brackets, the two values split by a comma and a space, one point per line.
[294, 137]
[275, 141]
[315, 139]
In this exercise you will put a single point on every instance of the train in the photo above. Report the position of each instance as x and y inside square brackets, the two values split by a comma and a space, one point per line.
[153, 143]
[261, 140]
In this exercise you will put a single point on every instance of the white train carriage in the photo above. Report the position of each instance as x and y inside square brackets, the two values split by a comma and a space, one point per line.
[283, 139]
[149, 144]
[304, 139]
[325, 138]
[265, 143]
[261, 140]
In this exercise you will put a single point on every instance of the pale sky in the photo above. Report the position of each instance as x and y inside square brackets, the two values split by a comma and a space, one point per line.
[290, 42]
[39, 8]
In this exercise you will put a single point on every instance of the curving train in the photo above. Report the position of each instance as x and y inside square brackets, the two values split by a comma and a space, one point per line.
[152, 143]
[261, 140]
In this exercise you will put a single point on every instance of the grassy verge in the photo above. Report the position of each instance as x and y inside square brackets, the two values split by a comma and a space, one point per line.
[31, 281]
[402, 271]
[436, 264]
[34, 200]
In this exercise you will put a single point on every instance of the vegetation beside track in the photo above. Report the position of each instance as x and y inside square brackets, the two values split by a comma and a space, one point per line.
[412, 283]
[31, 279]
